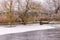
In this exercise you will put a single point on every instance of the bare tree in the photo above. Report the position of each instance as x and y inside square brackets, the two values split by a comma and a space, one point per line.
[8, 8]
[23, 16]
[58, 6]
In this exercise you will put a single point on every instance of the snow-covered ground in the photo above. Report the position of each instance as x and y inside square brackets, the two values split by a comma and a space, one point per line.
[24, 28]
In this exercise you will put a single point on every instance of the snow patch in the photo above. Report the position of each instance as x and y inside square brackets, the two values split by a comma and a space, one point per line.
[23, 28]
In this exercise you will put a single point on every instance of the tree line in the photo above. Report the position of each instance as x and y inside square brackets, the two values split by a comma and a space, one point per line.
[16, 11]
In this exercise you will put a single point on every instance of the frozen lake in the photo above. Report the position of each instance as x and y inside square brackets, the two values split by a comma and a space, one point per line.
[26, 28]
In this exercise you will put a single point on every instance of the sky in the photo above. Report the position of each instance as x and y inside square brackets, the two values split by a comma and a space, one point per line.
[24, 0]
[34, 0]
[42, 1]
[39, 0]
[0, 0]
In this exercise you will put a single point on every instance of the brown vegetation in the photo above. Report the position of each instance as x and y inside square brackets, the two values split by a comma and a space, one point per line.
[30, 12]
